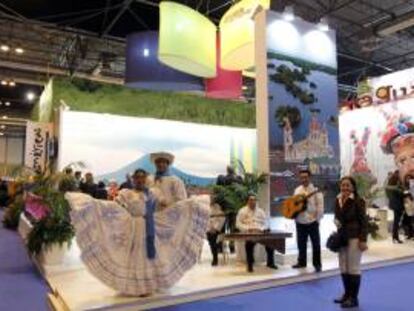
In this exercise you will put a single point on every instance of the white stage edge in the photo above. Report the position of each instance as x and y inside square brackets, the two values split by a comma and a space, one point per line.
[76, 289]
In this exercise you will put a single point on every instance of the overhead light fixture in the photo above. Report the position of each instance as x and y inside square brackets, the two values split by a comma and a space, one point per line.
[4, 117]
[1, 134]
[7, 104]
[288, 13]
[19, 50]
[30, 96]
[400, 23]
[12, 83]
[145, 52]
[5, 48]
[4, 82]
[2, 126]
[323, 24]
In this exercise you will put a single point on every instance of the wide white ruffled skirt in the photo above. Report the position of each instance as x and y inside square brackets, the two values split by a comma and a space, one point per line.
[113, 248]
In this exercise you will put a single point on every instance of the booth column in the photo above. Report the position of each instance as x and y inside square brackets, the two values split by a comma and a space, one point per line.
[262, 107]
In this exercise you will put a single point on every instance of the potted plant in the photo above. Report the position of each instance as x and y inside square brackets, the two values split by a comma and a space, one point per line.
[233, 196]
[52, 230]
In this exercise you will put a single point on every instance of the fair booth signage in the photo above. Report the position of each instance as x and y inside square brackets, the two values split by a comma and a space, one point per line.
[38, 136]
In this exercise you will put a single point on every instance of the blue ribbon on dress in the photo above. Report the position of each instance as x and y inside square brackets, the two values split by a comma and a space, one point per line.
[150, 205]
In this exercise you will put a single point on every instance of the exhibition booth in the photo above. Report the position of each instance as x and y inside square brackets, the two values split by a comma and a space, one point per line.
[183, 96]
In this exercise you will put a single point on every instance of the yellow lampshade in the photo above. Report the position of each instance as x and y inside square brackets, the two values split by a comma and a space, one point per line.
[187, 40]
[237, 34]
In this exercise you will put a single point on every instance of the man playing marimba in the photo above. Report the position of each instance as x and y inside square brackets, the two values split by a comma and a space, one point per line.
[251, 218]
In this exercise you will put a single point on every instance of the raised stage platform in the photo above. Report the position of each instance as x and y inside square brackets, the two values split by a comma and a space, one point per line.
[74, 288]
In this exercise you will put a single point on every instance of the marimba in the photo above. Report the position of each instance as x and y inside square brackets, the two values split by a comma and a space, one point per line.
[272, 239]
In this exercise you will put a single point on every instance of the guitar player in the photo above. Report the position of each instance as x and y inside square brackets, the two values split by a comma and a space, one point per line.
[307, 222]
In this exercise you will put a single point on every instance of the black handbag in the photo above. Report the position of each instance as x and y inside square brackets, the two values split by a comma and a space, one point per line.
[336, 241]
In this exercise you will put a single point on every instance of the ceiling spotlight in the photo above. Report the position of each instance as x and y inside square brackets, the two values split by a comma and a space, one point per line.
[146, 52]
[323, 24]
[19, 50]
[4, 48]
[30, 96]
[1, 134]
[7, 104]
[12, 83]
[4, 82]
[4, 117]
[288, 13]
[2, 126]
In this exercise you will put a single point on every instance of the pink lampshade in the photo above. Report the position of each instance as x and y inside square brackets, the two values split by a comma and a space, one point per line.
[227, 84]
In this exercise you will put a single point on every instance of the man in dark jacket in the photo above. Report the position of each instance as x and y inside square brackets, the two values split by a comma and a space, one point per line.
[89, 186]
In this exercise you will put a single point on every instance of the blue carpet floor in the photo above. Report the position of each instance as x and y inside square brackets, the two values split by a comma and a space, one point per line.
[21, 287]
[384, 289]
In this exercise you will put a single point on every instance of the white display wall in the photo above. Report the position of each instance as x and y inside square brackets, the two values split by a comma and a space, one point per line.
[112, 145]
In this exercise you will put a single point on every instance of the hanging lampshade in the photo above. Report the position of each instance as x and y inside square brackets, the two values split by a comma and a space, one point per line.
[227, 84]
[143, 69]
[237, 34]
[187, 40]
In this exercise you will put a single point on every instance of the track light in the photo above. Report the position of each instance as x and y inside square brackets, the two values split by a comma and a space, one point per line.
[5, 48]
[4, 82]
[19, 50]
[30, 96]
[12, 83]
[288, 13]
[7, 104]
[323, 24]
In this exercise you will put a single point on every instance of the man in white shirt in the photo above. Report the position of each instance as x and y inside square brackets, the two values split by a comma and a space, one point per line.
[307, 222]
[171, 187]
[251, 218]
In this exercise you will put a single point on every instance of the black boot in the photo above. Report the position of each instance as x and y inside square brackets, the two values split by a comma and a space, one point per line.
[354, 284]
[345, 282]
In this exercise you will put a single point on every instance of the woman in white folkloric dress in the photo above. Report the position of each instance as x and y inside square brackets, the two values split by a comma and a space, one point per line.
[139, 244]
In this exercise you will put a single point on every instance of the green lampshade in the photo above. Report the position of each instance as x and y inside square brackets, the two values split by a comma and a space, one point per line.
[187, 40]
[237, 34]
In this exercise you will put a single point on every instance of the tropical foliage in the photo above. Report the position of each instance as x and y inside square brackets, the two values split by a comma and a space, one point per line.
[56, 226]
[232, 197]
[290, 112]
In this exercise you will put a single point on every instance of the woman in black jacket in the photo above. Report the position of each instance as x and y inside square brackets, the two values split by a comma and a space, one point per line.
[352, 222]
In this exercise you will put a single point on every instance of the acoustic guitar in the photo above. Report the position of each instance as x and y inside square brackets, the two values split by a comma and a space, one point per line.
[296, 204]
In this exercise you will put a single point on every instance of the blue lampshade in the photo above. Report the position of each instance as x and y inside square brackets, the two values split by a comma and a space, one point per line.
[143, 69]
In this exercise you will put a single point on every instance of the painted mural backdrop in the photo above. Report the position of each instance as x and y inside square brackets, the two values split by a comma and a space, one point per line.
[386, 110]
[302, 87]
[112, 146]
